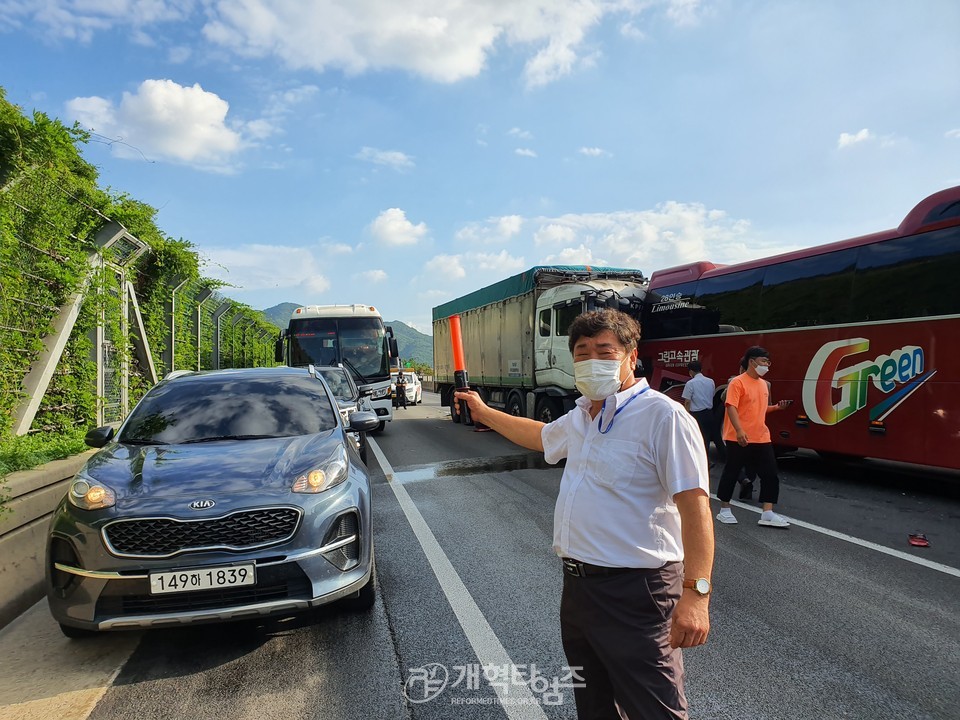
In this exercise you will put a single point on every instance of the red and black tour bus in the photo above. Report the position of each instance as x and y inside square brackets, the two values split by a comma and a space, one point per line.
[864, 335]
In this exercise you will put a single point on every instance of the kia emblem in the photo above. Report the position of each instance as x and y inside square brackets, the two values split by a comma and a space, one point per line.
[202, 504]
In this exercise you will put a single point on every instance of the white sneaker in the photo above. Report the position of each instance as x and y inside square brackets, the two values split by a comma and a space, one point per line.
[770, 519]
[726, 516]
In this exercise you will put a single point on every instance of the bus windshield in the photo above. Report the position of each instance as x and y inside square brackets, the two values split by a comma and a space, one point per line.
[359, 343]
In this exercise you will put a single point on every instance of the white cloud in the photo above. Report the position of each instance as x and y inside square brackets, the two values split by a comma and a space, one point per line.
[593, 152]
[444, 267]
[314, 285]
[509, 225]
[437, 39]
[553, 234]
[580, 255]
[391, 158]
[500, 262]
[670, 234]
[685, 12]
[332, 248]
[847, 139]
[179, 55]
[953, 133]
[494, 230]
[259, 129]
[522, 134]
[164, 120]
[525, 152]
[244, 267]
[73, 20]
[391, 227]
[371, 276]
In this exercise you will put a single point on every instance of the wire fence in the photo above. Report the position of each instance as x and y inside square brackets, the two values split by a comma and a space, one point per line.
[83, 333]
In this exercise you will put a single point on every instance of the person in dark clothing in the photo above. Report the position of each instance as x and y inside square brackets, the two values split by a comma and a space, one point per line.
[401, 390]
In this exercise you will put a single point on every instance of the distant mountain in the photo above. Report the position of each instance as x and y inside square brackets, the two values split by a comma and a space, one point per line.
[414, 345]
[280, 314]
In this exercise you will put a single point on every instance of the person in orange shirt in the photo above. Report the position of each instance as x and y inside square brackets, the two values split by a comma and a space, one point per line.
[747, 438]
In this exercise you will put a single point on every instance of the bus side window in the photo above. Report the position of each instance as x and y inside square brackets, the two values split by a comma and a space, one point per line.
[914, 276]
[809, 291]
[734, 298]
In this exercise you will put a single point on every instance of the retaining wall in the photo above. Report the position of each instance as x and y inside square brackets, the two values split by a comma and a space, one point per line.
[23, 531]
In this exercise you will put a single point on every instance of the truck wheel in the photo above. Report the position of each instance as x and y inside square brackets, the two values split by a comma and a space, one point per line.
[548, 409]
[515, 405]
[453, 411]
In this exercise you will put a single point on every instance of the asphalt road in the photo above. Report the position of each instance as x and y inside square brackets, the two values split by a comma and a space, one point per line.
[837, 617]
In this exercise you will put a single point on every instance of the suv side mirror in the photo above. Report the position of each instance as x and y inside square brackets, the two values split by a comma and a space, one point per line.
[364, 421]
[98, 437]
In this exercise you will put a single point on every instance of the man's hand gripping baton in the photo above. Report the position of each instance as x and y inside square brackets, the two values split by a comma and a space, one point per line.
[460, 379]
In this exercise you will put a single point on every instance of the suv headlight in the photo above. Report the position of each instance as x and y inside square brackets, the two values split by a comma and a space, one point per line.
[88, 494]
[381, 392]
[329, 473]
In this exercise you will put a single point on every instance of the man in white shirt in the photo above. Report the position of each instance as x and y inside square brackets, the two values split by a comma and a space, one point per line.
[698, 399]
[632, 525]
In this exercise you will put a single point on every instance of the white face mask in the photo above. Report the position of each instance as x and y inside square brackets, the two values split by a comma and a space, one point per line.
[597, 379]
[762, 370]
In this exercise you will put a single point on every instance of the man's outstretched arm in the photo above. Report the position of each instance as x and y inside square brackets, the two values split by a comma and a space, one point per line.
[520, 430]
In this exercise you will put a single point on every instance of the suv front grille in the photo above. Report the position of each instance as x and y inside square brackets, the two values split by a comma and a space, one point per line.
[165, 537]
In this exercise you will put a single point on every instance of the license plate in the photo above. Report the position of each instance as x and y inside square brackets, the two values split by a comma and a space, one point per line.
[209, 578]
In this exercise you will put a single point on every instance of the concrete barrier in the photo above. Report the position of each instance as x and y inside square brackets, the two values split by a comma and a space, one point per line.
[23, 531]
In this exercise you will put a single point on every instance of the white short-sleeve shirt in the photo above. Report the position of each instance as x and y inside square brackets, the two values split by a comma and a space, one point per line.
[699, 391]
[615, 506]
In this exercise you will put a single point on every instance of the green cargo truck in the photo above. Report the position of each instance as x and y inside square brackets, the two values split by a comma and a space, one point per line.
[515, 334]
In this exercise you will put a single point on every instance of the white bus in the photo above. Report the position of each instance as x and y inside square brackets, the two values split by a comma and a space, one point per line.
[351, 335]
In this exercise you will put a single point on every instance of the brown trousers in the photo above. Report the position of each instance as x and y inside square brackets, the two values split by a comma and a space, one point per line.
[617, 629]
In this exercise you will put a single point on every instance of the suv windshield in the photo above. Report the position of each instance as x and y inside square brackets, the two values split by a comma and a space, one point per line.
[208, 407]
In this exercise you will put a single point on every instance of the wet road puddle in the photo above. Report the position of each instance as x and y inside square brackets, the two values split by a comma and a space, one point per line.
[471, 466]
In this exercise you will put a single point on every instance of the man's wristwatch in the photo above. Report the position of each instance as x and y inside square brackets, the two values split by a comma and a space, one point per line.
[701, 586]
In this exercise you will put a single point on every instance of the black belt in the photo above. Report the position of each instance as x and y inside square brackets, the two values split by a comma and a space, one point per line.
[582, 569]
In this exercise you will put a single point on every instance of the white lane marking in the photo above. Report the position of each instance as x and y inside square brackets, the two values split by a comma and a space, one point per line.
[519, 703]
[946, 569]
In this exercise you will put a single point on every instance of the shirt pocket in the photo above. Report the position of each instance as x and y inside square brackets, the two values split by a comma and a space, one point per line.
[612, 463]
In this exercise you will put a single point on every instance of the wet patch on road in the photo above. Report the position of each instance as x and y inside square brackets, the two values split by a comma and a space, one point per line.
[472, 466]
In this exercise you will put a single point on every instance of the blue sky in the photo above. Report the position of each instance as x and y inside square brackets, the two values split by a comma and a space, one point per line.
[403, 153]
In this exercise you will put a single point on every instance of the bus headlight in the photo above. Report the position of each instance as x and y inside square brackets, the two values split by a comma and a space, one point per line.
[380, 393]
